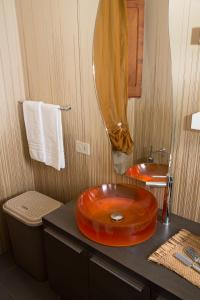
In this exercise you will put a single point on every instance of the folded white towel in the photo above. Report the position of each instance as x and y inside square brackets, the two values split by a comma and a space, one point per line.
[34, 129]
[44, 133]
[53, 136]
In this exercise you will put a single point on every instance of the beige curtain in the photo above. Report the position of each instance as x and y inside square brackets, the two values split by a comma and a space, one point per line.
[111, 71]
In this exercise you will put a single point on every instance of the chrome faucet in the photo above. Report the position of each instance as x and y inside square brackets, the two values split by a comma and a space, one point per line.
[168, 185]
[167, 201]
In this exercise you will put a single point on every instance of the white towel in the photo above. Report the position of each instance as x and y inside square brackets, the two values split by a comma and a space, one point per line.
[34, 129]
[44, 133]
[53, 136]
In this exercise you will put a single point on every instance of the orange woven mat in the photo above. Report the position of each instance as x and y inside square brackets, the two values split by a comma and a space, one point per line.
[164, 255]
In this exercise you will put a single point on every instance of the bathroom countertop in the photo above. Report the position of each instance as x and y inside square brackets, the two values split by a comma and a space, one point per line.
[134, 258]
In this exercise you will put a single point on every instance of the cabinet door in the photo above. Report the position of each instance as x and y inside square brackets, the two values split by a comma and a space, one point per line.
[108, 282]
[67, 266]
[135, 14]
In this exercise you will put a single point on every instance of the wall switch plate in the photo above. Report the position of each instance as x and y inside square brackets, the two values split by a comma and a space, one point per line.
[83, 148]
[195, 124]
[195, 38]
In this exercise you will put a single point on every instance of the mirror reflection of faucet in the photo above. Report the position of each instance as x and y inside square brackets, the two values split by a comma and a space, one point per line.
[156, 175]
[150, 158]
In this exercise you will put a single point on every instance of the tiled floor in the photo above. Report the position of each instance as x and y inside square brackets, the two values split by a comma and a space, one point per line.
[15, 284]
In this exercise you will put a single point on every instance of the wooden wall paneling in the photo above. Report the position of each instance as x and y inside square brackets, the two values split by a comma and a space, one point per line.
[16, 174]
[49, 33]
[186, 96]
[54, 36]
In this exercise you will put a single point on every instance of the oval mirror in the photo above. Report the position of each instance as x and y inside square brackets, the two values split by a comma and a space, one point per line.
[139, 128]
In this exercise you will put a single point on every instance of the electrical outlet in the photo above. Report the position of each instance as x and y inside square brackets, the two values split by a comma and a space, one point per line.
[83, 148]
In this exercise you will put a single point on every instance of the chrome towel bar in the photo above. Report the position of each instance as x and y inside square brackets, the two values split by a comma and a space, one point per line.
[66, 108]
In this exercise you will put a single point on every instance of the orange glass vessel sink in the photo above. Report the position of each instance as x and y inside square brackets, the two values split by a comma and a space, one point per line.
[148, 172]
[117, 214]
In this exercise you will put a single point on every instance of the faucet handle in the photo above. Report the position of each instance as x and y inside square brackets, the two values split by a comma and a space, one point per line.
[162, 150]
[150, 156]
[150, 159]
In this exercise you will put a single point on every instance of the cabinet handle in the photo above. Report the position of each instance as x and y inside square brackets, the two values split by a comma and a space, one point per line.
[160, 297]
[127, 279]
[64, 240]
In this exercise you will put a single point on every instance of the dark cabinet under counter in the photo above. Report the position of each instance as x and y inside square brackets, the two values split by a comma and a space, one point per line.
[81, 269]
[76, 273]
[67, 266]
[109, 282]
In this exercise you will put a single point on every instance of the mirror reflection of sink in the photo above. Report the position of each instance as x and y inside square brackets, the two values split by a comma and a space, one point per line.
[148, 172]
[117, 214]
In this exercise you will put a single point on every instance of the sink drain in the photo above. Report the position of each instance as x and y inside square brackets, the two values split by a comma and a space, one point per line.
[116, 217]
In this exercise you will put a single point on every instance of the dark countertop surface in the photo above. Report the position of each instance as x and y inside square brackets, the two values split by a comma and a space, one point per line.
[135, 258]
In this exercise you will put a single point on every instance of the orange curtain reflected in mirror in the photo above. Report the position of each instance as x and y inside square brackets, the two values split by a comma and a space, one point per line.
[111, 71]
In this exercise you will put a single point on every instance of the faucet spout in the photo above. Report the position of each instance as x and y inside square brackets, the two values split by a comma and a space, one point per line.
[166, 184]
[166, 210]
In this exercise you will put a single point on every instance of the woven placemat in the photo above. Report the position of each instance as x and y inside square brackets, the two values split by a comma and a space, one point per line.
[164, 255]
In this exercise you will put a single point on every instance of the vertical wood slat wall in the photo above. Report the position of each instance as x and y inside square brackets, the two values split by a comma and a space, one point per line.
[56, 38]
[56, 43]
[16, 174]
[183, 16]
